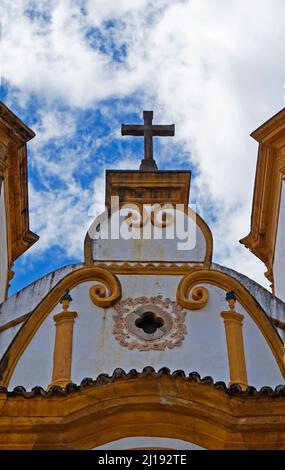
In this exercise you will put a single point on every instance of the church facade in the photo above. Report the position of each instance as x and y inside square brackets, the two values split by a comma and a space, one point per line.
[147, 343]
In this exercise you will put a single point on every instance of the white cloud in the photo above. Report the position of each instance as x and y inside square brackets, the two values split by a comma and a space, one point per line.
[216, 69]
[53, 124]
[53, 215]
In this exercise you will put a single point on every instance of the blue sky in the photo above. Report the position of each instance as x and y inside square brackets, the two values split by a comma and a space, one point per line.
[90, 159]
[75, 70]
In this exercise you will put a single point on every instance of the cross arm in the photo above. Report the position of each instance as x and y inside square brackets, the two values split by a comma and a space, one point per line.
[132, 129]
[163, 130]
[157, 130]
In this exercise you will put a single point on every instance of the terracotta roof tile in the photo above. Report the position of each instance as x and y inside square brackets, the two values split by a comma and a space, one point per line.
[104, 379]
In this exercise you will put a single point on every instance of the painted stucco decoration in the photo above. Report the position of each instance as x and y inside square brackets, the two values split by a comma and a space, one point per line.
[149, 323]
[190, 296]
[136, 298]
[108, 292]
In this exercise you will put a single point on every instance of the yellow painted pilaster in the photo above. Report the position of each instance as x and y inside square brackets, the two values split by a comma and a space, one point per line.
[235, 346]
[62, 356]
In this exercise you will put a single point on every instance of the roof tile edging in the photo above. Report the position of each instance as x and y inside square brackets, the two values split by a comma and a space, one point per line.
[105, 379]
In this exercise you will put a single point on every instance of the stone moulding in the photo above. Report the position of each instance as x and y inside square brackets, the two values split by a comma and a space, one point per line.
[126, 404]
[103, 295]
[199, 294]
[88, 242]
[171, 334]
[224, 281]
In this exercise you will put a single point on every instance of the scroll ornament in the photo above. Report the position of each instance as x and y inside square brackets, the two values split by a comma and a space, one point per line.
[190, 295]
[108, 292]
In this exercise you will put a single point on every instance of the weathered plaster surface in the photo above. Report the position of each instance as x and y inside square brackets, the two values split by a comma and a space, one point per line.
[153, 249]
[95, 349]
[271, 305]
[28, 298]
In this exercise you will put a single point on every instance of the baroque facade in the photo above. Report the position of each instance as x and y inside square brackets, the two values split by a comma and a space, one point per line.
[144, 345]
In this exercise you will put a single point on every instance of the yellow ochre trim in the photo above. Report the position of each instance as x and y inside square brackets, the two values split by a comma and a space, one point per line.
[237, 365]
[248, 302]
[205, 229]
[150, 268]
[15, 322]
[270, 170]
[95, 416]
[32, 324]
[199, 294]
[62, 355]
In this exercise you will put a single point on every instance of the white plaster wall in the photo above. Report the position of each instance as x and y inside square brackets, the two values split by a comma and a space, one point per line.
[3, 247]
[129, 443]
[35, 365]
[279, 256]
[7, 336]
[262, 368]
[271, 305]
[28, 298]
[96, 351]
[140, 249]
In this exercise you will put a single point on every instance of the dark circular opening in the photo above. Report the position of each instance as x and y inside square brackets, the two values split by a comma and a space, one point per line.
[149, 322]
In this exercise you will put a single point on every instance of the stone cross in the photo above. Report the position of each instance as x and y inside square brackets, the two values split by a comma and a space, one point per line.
[148, 130]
